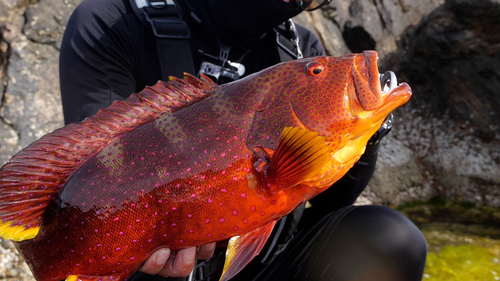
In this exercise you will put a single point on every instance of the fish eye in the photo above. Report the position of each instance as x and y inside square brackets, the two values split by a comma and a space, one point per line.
[314, 68]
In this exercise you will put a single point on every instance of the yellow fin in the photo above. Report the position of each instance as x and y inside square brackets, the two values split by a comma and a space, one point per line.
[92, 278]
[242, 249]
[300, 155]
[17, 232]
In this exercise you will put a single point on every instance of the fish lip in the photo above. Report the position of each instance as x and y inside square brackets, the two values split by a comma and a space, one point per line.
[394, 99]
[366, 80]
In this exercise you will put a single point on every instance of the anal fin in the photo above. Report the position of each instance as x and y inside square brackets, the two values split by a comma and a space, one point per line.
[242, 249]
[92, 278]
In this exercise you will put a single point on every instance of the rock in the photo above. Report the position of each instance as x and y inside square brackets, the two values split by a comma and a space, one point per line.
[12, 267]
[29, 98]
[46, 21]
[31, 105]
[9, 142]
[32, 101]
[398, 177]
[452, 63]
[348, 26]
[453, 59]
[446, 140]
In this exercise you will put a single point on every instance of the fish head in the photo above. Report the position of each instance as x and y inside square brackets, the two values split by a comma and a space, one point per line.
[343, 98]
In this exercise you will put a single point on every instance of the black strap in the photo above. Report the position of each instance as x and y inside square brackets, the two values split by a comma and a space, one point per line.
[211, 269]
[175, 63]
[172, 37]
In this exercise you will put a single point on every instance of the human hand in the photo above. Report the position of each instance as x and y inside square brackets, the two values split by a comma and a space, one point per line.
[180, 264]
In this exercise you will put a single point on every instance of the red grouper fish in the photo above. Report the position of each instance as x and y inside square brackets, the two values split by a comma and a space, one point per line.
[187, 162]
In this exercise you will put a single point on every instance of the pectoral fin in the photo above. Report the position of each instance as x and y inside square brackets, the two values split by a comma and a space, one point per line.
[242, 249]
[300, 155]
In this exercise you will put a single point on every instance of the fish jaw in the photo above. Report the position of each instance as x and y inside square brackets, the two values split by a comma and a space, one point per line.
[369, 106]
[368, 103]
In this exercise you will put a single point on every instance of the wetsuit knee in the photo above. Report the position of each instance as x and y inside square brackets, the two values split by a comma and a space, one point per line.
[393, 237]
[368, 243]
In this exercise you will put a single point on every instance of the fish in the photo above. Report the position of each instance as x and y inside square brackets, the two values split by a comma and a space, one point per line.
[187, 162]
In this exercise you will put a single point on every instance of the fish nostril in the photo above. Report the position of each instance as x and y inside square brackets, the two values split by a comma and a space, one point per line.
[388, 81]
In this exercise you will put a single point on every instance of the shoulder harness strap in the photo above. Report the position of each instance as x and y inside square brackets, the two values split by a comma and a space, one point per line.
[172, 36]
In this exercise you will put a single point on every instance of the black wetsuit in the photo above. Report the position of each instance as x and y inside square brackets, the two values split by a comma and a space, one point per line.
[108, 52]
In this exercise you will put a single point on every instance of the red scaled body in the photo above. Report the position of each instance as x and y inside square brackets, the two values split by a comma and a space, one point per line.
[187, 163]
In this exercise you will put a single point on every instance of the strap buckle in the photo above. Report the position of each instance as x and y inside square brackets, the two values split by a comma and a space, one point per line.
[165, 20]
[159, 4]
[384, 129]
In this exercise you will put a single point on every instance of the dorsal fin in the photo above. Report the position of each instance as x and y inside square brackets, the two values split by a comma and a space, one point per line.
[30, 179]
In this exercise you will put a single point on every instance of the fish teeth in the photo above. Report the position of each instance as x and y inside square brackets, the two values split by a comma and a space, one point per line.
[388, 81]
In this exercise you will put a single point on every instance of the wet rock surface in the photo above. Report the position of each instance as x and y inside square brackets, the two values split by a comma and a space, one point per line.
[452, 61]
[12, 266]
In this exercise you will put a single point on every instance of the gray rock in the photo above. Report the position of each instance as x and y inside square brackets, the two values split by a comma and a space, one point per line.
[369, 25]
[328, 32]
[32, 99]
[9, 142]
[29, 103]
[46, 21]
[452, 63]
[12, 266]
[398, 177]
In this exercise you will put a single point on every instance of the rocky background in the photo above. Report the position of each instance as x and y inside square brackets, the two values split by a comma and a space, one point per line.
[445, 141]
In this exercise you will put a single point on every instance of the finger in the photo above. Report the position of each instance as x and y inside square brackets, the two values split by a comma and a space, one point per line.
[155, 262]
[181, 264]
[206, 251]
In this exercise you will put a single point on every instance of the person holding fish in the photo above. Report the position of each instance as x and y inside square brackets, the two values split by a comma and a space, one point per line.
[117, 47]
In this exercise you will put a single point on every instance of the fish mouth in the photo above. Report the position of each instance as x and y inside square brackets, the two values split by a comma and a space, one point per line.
[375, 95]
[393, 94]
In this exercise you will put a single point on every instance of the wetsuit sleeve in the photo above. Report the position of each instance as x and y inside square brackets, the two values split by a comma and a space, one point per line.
[309, 43]
[96, 59]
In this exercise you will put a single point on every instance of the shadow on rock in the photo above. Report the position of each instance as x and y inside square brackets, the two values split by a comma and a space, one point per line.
[453, 64]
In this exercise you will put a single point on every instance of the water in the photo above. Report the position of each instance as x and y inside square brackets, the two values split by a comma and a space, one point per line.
[463, 239]
[455, 255]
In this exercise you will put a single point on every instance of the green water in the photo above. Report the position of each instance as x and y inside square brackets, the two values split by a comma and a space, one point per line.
[462, 257]
[463, 240]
